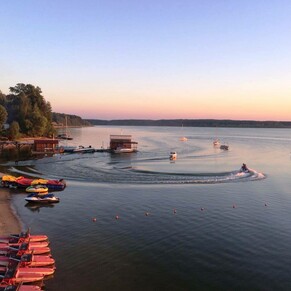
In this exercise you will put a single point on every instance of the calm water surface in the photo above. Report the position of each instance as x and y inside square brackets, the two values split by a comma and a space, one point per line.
[240, 240]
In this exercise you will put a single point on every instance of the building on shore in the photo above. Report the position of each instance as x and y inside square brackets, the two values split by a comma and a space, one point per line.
[122, 144]
[45, 145]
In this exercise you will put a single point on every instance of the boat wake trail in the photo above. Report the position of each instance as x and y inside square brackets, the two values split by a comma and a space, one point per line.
[125, 172]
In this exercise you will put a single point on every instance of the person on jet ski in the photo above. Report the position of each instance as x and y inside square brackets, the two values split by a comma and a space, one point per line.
[244, 168]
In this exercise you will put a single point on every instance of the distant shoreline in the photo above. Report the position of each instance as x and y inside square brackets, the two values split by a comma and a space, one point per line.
[194, 123]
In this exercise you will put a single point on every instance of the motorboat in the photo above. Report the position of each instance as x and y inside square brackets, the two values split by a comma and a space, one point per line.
[42, 198]
[22, 182]
[19, 287]
[13, 276]
[224, 147]
[27, 260]
[216, 142]
[121, 150]
[38, 188]
[173, 155]
[81, 149]
[183, 138]
[26, 235]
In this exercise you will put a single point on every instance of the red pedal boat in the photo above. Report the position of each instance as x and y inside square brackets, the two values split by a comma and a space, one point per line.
[25, 236]
[27, 260]
[12, 276]
[20, 287]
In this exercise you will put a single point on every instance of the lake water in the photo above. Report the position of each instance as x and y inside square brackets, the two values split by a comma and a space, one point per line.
[207, 226]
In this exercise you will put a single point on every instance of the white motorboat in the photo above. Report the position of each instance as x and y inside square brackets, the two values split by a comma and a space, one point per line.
[38, 198]
[123, 150]
[82, 149]
[173, 155]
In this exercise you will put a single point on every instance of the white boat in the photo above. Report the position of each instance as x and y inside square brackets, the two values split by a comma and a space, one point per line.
[82, 149]
[38, 198]
[183, 138]
[216, 142]
[173, 155]
[123, 150]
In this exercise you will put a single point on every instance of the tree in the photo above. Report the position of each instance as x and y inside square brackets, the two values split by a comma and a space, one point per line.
[3, 116]
[14, 130]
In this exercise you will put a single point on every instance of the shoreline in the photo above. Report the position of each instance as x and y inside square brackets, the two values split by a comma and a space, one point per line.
[9, 222]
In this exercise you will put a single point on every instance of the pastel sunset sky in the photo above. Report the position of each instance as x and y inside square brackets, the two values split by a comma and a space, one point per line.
[151, 59]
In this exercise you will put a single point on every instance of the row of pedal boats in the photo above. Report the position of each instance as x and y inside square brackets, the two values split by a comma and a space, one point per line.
[24, 259]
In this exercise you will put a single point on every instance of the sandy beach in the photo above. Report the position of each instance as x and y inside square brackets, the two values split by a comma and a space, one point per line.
[9, 222]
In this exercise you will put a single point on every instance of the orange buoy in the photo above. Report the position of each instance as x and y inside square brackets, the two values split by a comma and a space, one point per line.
[175, 211]
[94, 219]
[116, 217]
[202, 209]
[147, 214]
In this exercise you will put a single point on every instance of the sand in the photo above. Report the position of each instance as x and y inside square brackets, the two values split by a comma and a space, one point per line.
[9, 223]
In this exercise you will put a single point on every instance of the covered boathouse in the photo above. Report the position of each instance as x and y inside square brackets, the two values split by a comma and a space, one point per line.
[122, 144]
[45, 145]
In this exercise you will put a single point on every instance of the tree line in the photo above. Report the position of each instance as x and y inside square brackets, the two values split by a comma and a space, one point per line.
[27, 113]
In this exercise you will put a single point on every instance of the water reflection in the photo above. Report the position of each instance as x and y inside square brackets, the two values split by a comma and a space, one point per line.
[34, 207]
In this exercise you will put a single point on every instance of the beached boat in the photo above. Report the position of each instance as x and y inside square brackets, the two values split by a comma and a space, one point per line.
[37, 189]
[17, 242]
[26, 235]
[42, 198]
[12, 276]
[19, 287]
[25, 248]
[173, 155]
[27, 260]
[22, 182]
[45, 271]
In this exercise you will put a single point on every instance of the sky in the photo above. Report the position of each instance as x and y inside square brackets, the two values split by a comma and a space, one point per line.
[153, 59]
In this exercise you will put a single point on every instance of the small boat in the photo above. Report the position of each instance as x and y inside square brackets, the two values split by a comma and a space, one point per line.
[38, 188]
[19, 287]
[26, 235]
[216, 142]
[24, 248]
[224, 147]
[64, 136]
[121, 150]
[13, 276]
[183, 138]
[15, 242]
[82, 149]
[44, 271]
[244, 169]
[27, 260]
[173, 155]
[40, 198]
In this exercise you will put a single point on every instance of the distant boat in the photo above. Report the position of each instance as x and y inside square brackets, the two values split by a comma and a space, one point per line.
[216, 142]
[82, 149]
[64, 136]
[183, 138]
[224, 147]
[173, 155]
[123, 150]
